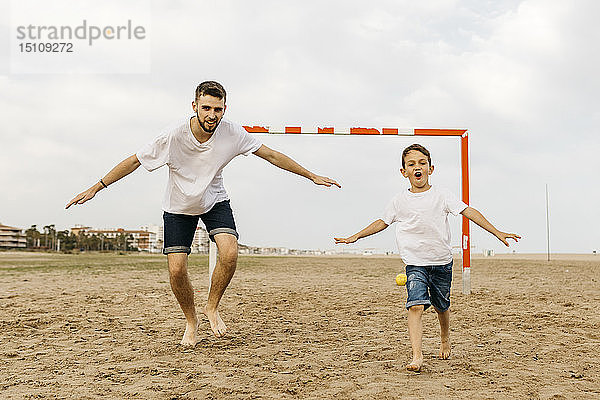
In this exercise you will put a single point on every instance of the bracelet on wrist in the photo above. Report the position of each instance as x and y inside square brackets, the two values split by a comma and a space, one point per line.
[103, 184]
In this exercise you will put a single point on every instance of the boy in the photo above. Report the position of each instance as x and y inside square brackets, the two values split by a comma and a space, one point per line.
[423, 239]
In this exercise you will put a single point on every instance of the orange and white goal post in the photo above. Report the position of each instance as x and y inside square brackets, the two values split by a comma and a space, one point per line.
[464, 160]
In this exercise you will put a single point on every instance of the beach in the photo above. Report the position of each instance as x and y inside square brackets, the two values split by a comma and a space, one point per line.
[88, 326]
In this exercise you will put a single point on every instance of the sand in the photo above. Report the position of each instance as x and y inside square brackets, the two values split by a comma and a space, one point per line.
[107, 326]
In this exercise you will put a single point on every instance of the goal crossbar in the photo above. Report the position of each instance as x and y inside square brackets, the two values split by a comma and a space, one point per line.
[464, 160]
[278, 130]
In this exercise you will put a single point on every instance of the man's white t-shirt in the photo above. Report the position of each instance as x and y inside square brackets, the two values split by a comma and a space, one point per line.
[422, 228]
[195, 182]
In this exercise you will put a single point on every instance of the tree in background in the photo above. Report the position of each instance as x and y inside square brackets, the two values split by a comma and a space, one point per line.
[33, 236]
[67, 240]
[50, 238]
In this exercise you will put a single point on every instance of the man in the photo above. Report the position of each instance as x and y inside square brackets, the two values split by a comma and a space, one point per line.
[196, 151]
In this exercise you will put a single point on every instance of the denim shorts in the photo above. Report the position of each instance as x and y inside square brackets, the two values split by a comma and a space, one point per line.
[179, 229]
[429, 286]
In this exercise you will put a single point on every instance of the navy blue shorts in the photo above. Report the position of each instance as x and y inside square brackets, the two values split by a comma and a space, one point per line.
[179, 229]
[429, 286]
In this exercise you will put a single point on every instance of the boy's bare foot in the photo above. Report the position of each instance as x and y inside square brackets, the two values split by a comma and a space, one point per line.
[190, 336]
[415, 365]
[445, 350]
[216, 323]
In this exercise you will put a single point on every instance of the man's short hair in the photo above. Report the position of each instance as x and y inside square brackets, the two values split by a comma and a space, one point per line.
[416, 147]
[211, 88]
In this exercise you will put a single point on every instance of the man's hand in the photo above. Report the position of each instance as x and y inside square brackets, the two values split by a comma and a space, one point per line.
[347, 240]
[122, 169]
[323, 180]
[502, 236]
[84, 196]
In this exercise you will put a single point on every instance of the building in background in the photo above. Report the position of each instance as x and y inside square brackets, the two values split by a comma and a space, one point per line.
[12, 238]
[141, 239]
[156, 238]
[79, 228]
[488, 252]
[148, 238]
[200, 242]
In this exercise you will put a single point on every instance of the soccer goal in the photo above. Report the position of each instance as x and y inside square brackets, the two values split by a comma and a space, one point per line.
[464, 161]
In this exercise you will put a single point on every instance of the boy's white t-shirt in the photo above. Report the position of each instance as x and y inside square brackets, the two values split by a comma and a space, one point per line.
[422, 228]
[195, 182]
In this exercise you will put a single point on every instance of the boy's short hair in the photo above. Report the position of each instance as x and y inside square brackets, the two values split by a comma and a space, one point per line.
[211, 88]
[416, 147]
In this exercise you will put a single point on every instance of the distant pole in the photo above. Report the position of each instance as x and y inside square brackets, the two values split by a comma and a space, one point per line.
[547, 223]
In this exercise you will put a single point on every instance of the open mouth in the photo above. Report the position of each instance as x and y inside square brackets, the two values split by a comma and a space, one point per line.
[418, 174]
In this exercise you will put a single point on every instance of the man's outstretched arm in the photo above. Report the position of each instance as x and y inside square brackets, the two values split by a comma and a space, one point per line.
[122, 169]
[284, 162]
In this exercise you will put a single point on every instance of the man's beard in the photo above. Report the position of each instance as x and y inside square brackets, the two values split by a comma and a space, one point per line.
[204, 125]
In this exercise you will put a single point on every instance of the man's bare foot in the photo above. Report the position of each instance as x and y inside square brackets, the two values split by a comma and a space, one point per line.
[415, 365]
[190, 336]
[445, 350]
[216, 323]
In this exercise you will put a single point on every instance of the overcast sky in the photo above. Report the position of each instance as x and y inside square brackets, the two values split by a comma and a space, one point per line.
[521, 76]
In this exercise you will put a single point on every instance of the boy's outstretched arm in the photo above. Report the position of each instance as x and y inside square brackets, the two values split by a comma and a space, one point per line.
[373, 228]
[284, 162]
[480, 220]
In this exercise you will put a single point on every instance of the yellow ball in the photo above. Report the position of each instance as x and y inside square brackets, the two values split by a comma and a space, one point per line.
[401, 279]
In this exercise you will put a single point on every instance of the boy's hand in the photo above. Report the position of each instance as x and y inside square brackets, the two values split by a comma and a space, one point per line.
[323, 180]
[502, 236]
[347, 240]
